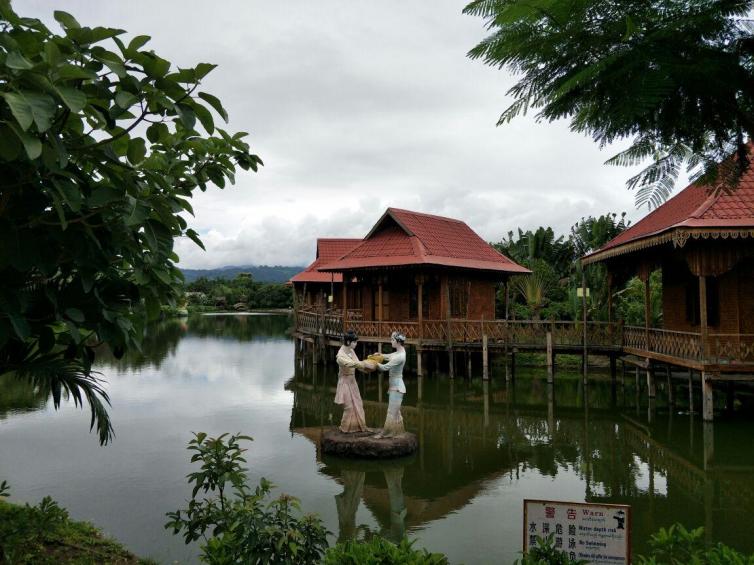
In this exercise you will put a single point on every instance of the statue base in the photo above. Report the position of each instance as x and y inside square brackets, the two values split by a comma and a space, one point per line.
[363, 445]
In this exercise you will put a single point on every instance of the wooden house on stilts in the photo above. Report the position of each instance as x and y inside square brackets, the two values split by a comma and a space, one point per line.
[703, 242]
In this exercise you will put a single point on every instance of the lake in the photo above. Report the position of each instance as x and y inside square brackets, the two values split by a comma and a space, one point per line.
[484, 447]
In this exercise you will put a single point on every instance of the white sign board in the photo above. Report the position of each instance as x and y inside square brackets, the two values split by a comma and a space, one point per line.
[597, 533]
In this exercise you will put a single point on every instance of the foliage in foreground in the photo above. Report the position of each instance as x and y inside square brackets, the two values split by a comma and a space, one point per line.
[679, 546]
[239, 525]
[45, 535]
[673, 76]
[100, 153]
[378, 550]
[672, 546]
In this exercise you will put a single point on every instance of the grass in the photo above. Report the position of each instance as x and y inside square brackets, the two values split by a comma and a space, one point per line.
[45, 535]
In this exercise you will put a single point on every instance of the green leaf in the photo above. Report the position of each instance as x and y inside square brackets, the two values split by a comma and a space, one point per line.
[52, 53]
[205, 117]
[75, 314]
[32, 145]
[203, 69]
[137, 150]
[16, 60]
[125, 99]
[157, 132]
[215, 103]
[69, 192]
[31, 107]
[74, 72]
[102, 196]
[193, 236]
[66, 20]
[186, 116]
[155, 67]
[138, 42]
[74, 99]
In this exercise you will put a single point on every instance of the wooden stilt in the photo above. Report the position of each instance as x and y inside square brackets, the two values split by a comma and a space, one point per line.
[707, 397]
[468, 363]
[613, 368]
[419, 368]
[485, 359]
[708, 431]
[671, 395]
[550, 364]
[691, 391]
[651, 385]
[451, 363]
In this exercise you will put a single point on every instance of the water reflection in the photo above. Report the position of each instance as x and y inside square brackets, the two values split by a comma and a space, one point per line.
[20, 396]
[595, 443]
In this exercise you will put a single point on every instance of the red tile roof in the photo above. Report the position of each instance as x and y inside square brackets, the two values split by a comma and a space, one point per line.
[696, 206]
[402, 237]
[328, 249]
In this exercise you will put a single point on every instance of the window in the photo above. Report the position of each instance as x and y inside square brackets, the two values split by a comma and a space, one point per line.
[713, 302]
[459, 298]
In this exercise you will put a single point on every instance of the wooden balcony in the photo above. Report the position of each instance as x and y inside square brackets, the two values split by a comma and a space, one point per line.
[720, 352]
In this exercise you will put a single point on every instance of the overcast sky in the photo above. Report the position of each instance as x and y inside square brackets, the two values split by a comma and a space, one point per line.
[355, 106]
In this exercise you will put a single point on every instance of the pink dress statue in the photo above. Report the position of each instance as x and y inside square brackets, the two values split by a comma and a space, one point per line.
[348, 393]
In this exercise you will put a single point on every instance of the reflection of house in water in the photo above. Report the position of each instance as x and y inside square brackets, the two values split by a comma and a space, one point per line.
[478, 436]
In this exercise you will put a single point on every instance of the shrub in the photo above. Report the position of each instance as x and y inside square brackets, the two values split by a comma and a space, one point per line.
[242, 526]
[679, 546]
[379, 550]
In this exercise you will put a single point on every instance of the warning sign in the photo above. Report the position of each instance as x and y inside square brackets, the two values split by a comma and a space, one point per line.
[597, 533]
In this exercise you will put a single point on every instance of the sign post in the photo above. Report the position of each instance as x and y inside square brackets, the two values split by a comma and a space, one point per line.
[597, 533]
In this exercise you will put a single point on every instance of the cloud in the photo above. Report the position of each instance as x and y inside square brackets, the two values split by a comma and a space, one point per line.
[356, 106]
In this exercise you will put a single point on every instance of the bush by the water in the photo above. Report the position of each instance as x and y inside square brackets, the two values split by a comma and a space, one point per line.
[240, 525]
[45, 535]
[379, 550]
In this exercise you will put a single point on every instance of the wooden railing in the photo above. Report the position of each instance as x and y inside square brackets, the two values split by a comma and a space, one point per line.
[727, 349]
[721, 349]
[669, 343]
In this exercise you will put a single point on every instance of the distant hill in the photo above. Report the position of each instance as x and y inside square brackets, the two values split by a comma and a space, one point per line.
[260, 273]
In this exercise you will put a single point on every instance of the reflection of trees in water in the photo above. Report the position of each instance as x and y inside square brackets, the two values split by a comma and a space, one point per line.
[161, 339]
[471, 435]
[241, 328]
[18, 395]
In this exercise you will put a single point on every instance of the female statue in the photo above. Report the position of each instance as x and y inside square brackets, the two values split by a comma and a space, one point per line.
[396, 388]
[347, 392]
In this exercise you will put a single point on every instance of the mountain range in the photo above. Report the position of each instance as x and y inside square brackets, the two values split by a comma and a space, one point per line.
[260, 273]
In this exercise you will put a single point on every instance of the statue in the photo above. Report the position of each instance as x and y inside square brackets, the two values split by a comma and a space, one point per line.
[347, 392]
[396, 388]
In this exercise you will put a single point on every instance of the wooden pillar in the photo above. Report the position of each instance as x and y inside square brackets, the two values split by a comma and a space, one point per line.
[468, 363]
[645, 274]
[708, 432]
[550, 367]
[379, 313]
[583, 301]
[613, 368]
[609, 300]
[451, 356]
[691, 391]
[507, 298]
[651, 385]
[671, 395]
[485, 359]
[419, 368]
[345, 304]
[420, 307]
[708, 406]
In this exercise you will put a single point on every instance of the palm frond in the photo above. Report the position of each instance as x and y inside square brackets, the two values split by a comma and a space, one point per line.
[58, 376]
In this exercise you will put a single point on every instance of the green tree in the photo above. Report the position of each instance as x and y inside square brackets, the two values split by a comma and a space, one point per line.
[100, 152]
[675, 77]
